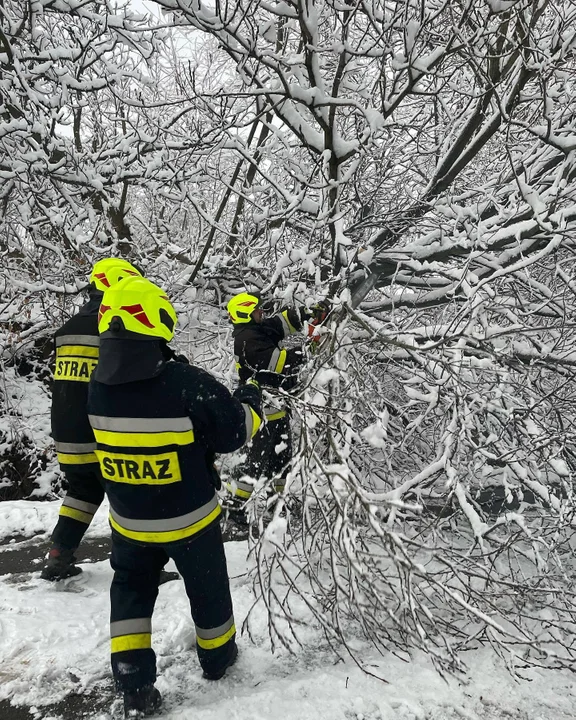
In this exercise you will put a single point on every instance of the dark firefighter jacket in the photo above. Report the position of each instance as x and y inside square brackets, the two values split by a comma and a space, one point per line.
[257, 349]
[158, 424]
[76, 347]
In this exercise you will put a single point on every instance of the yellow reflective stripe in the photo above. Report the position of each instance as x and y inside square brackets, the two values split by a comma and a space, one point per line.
[76, 514]
[138, 641]
[276, 415]
[252, 421]
[143, 439]
[281, 361]
[79, 459]
[256, 421]
[77, 350]
[167, 535]
[238, 491]
[216, 642]
[291, 327]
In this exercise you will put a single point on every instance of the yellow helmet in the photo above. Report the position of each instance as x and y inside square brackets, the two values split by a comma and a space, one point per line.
[143, 308]
[241, 307]
[109, 271]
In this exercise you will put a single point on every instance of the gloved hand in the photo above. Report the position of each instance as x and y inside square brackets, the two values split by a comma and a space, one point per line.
[320, 310]
[250, 394]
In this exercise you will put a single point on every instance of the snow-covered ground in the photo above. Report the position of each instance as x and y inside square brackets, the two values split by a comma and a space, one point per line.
[54, 641]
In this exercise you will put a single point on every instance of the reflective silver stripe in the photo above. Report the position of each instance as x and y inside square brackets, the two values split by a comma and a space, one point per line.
[239, 485]
[151, 425]
[274, 360]
[213, 633]
[288, 330]
[76, 448]
[271, 410]
[237, 358]
[80, 505]
[130, 627]
[166, 524]
[249, 420]
[92, 340]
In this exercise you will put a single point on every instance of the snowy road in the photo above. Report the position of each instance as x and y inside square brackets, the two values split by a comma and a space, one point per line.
[54, 656]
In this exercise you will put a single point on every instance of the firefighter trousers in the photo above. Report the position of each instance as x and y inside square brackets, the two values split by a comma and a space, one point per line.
[202, 565]
[84, 495]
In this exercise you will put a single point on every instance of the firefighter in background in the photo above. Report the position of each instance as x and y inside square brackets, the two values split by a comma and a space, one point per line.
[258, 353]
[158, 425]
[76, 346]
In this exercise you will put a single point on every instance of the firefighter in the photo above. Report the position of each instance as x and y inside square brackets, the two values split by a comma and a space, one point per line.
[76, 347]
[258, 353]
[158, 425]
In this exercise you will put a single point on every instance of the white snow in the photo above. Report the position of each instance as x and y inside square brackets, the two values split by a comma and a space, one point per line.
[55, 642]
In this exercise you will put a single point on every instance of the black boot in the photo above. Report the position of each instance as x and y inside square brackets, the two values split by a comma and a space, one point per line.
[141, 702]
[218, 674]
[60, 564]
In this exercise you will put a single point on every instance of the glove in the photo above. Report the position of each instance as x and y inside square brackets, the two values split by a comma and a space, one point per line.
[250, 394]
[320, 310]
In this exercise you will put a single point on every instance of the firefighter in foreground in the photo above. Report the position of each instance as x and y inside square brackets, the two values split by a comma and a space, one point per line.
[258, 353]
[158, 425]
[76, 347]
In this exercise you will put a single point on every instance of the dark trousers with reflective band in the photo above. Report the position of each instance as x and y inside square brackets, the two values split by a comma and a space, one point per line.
[84, 495]
[202, 564]
[270, 452]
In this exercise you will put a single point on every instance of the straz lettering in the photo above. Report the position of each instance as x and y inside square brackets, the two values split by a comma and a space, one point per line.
[140, 469]
[78, 370]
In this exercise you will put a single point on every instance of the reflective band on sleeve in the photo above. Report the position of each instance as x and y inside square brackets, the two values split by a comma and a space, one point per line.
[80, 505]
[76, 514]
[281, 361]
[279, 488]
[285, 325]
[80, 459]
[212, 638]
[253, 421]
[277, 361]
[133, 626]
[275, 415]
[142, 432]
[239, 489]
[91, 340]
[141, 641]
[288, 327]
[167, 529]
